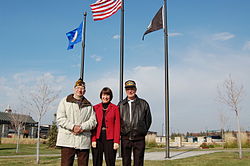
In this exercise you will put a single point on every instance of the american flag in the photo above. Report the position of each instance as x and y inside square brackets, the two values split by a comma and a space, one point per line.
[102, 9]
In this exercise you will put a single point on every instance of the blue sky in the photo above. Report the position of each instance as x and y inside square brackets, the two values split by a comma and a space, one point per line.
[208, 40]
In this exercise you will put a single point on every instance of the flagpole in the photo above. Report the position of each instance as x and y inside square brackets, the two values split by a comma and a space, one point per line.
[121, 56]
[121, 51]
[83, 46]
[166, 78]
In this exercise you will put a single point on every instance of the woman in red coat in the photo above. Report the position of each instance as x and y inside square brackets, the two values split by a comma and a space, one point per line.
[106, 136]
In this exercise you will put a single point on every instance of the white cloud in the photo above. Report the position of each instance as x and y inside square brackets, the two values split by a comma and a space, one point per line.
[25, 77]
[94, 87]
[116, 37]
[246, 45]
[192, 93]
[175, 34]
[194, 82]
[23, 83]
[193, 86]
[193, 77]
[6, 90]
[76, 65]
[223, 36]
[2, 80]
[193, 90]
[96, 58]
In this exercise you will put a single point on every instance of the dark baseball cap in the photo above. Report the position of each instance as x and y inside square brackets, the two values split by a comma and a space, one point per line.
[130, 84]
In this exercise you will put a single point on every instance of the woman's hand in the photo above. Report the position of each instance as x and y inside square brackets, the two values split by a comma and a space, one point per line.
[93, 144]
[116, 146]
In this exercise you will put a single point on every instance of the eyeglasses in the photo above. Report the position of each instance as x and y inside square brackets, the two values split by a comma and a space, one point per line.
[80, 88]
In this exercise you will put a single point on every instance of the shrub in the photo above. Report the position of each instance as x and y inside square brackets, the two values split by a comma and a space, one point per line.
[211, 145]
[246, 145]
[161, 145]
[52, 136]
[151, 144]
[204, 145]
[231, 144]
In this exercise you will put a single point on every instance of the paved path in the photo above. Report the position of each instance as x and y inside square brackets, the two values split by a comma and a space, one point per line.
[174, 155]
[183, 154]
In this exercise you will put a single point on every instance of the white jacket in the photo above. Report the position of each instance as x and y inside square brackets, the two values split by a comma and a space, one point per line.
[69, 114]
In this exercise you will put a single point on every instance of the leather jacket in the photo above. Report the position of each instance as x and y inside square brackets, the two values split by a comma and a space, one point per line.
[140, 122]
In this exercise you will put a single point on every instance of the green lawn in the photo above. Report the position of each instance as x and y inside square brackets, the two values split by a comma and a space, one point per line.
[55, 161]
[25, 149]
[154, 149]
[215, 159]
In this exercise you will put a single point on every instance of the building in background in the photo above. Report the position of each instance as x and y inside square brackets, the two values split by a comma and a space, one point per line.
[7, 130]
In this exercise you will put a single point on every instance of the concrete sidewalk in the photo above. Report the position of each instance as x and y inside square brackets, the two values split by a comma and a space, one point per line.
[175, 155]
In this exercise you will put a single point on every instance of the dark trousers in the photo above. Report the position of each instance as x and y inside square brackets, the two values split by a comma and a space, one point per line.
[138, 148]
[68, 156]
[106, 147]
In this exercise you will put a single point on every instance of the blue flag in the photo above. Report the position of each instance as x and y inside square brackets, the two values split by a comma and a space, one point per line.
[74, 36]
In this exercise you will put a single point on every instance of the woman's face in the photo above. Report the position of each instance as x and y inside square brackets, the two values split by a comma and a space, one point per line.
[105, 98]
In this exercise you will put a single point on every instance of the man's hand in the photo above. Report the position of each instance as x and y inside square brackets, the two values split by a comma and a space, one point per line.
[77, 129]
[93, 144]
[116, 146]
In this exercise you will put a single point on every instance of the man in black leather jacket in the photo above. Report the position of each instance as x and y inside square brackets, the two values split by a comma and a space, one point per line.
[135, 123]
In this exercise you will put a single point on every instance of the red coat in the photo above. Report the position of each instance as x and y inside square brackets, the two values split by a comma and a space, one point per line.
[112, 122]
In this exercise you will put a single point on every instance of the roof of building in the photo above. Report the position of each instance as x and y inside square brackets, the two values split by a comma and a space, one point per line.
[6, 118]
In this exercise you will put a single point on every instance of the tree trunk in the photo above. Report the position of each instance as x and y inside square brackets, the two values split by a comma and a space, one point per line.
[222, 135]
[17, 139]
[239, 136]
[38, 144]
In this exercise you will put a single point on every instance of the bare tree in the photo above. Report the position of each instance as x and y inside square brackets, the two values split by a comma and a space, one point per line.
[230, 94]
[39, 102]
[18, 121]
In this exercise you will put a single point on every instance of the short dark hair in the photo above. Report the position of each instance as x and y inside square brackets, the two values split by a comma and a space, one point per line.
[106, 91]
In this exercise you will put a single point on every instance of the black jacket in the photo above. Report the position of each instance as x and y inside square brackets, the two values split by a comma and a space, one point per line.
[141, 119]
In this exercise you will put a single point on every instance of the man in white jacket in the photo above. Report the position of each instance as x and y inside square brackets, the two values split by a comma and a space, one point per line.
[75, 118]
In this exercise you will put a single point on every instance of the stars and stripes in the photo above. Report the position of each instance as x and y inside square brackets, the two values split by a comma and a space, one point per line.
[102, 9]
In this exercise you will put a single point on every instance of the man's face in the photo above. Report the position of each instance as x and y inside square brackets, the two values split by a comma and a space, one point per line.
[131, 92]
[79, 91]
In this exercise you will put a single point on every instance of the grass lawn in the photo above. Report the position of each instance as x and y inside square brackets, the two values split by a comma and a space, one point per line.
[154, 149]
[214, 159]
[28, 149]
[25, 149]
[55, 161]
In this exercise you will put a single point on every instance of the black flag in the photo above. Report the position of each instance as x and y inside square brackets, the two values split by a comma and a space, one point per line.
[155, 24]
